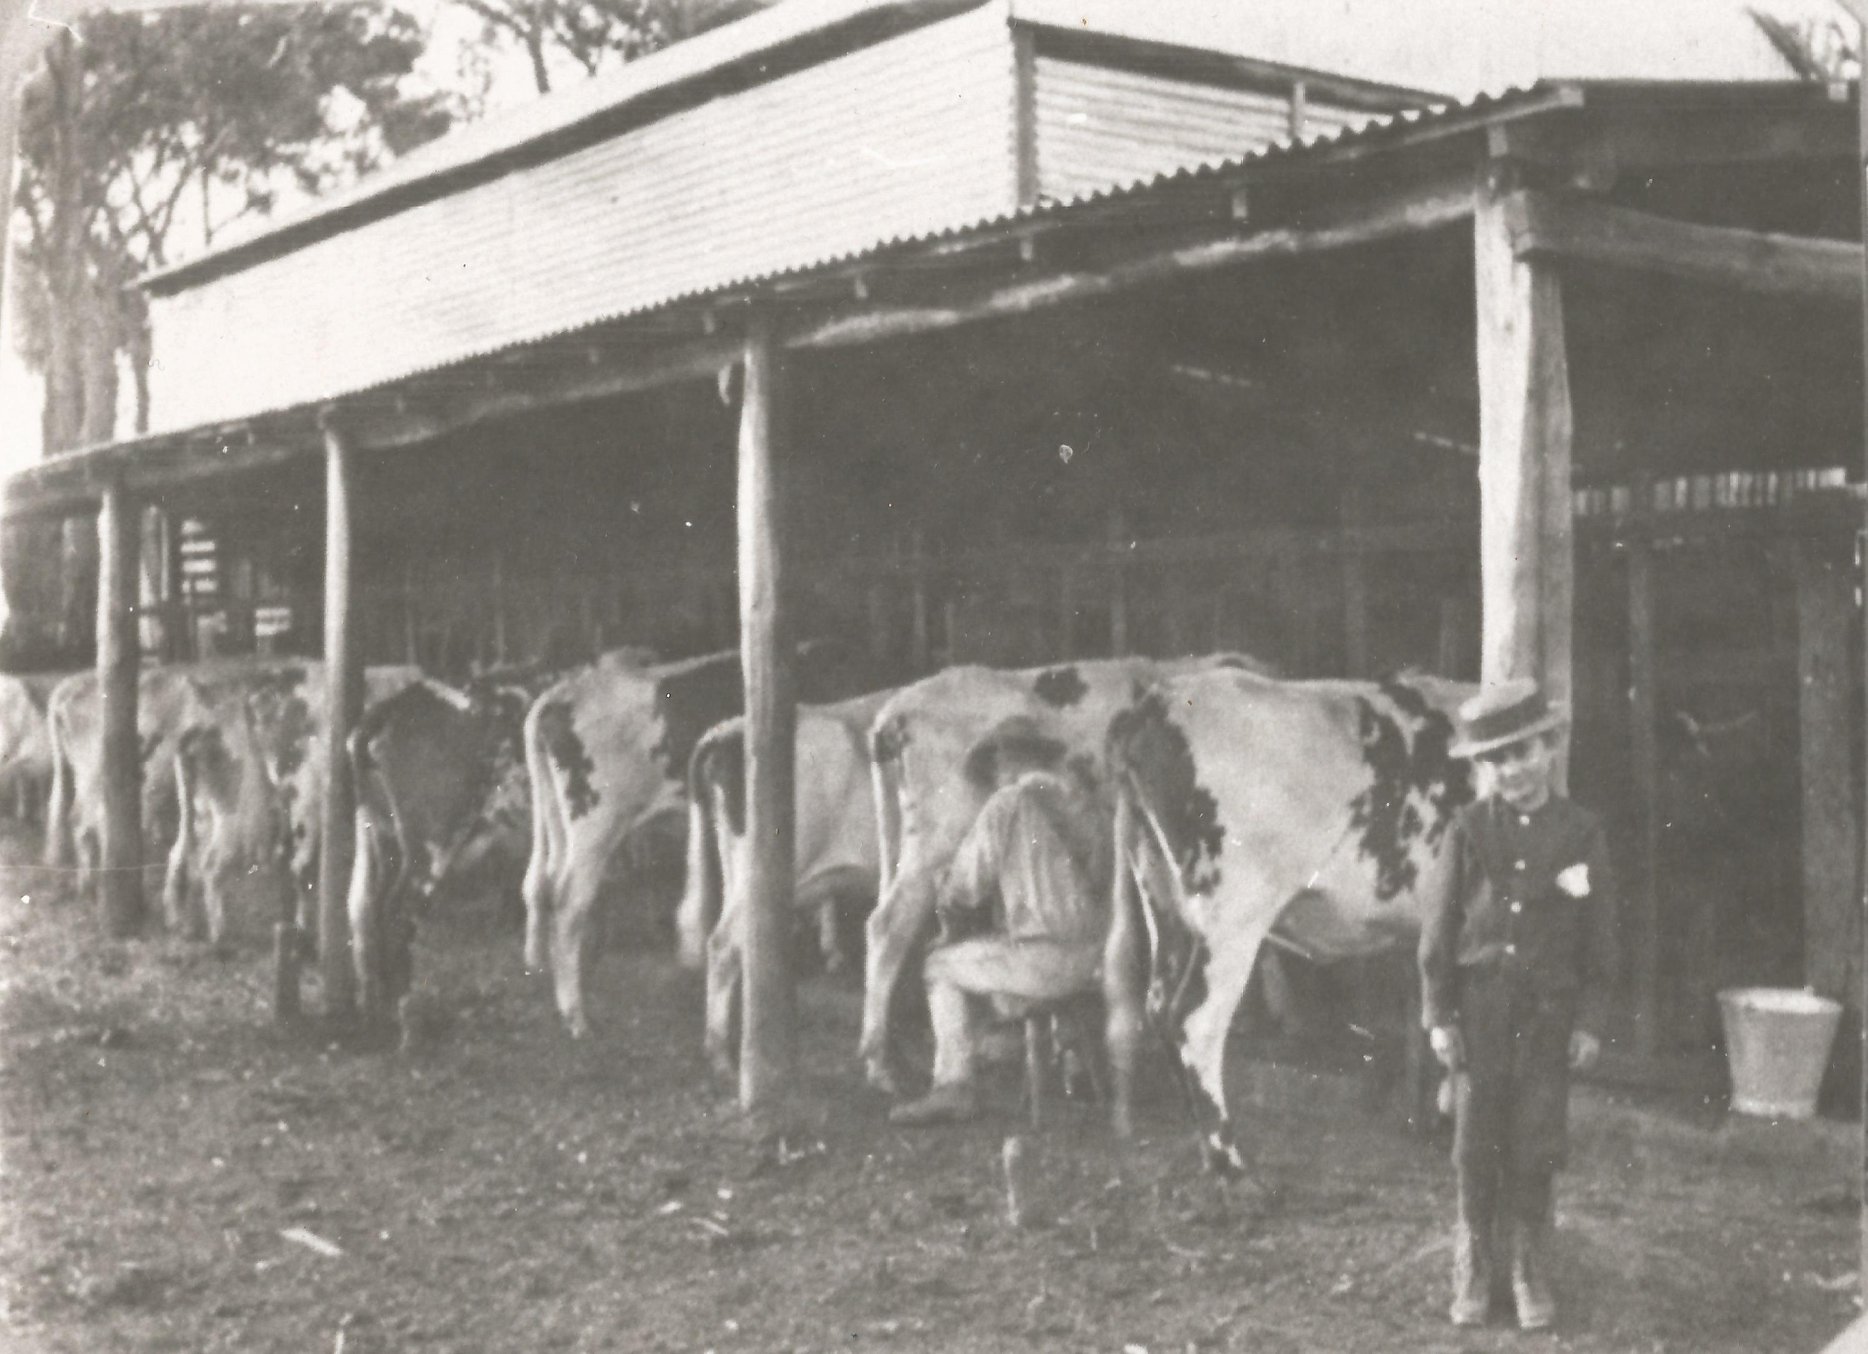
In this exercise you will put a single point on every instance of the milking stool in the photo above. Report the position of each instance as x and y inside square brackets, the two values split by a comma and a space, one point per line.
[1041, 1019]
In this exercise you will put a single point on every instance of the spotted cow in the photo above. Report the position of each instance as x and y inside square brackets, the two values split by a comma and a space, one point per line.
[1248, 809]
[835, 845]
[25, 742]
[926, 800]
[249, 775]
[607, 750]
[168, 701]
[441, 792]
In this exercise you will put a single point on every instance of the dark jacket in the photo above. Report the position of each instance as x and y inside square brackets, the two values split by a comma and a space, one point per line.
[1507, 909]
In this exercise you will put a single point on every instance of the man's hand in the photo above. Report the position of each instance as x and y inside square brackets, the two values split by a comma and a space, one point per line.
[1585, 1049]
[1447, 1046]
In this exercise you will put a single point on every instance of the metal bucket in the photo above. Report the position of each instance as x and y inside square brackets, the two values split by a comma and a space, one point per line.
[1777, 1042]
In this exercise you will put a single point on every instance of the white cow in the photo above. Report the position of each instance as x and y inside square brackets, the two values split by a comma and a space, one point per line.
[926, 799]
[607, 751]
[1247, 809]
[835, 845]
[25, 741]
[249, 778]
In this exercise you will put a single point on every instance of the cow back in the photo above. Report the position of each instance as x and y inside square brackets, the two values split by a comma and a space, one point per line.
[1331, 798]
[924, 734]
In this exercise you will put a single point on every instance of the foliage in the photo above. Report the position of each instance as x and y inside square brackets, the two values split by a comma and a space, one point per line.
[593, 34]
[1814, 49]
[140, 125]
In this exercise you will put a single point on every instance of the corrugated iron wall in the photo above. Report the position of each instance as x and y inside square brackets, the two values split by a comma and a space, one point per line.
[905, 138]
[1101, 126]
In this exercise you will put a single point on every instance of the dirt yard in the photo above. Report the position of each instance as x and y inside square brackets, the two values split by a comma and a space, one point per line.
[179, 1176]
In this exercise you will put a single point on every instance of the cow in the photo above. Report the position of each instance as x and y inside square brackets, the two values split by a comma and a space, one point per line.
[1312, 814]
[168, 700]
[441, 788]
[287, 708]
[926, 801]
[249, 777]
[835, 845]
[231, 829]
[607, 750]
[25, 741]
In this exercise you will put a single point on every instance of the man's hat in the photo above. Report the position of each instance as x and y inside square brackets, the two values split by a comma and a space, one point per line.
[1503, 714]
[1018, 736]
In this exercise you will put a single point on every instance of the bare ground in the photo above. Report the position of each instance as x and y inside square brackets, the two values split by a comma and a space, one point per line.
[173, 1171]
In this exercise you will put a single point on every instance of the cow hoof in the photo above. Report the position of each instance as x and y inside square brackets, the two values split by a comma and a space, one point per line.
[881, 1076]
[722, 1064]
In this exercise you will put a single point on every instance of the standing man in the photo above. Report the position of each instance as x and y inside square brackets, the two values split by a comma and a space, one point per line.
[1034, 850]
[1517, 958]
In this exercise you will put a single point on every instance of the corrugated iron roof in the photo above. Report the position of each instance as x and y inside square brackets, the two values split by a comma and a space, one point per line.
[1463, 48]
[705, 64]
[1374, 137]
[309, 370]
[879, 144]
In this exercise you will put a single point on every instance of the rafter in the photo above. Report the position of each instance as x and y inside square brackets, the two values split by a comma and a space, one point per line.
[1584, 231]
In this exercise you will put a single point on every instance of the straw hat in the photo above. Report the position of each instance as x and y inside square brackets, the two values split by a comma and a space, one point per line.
[1019, 737]
[1503, 714]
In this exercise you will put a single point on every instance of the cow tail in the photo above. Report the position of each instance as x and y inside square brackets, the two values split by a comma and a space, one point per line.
[175, 883]
[701, 893]
[885, 780]
[548, 828]
[378, 812]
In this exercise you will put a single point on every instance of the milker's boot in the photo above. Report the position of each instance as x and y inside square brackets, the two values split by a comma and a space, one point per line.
[1530, 1273]
[1472, 1245]
[1472, 1275]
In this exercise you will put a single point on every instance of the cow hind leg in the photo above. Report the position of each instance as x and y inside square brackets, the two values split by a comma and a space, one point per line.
[724, 969]
[830, 936]
[175, 901]
[573, 945]
[1203, 1047]
[365, 905]
[893, 929]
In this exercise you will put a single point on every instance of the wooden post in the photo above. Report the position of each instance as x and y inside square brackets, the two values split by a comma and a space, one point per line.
[1024, 116]
[499, 605]
[178, 613]
[343, 697]
[1066, 615]
[1354, 567]
[768, 1037]
[120, 880]
[411, 649]
[918, 572]
[1118, 585]
[1832, 812]
[876, 605]
[1525, 533]
[1644, 771]
[1859, 9]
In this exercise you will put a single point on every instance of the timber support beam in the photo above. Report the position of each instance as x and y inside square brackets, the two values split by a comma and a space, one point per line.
[1578, 230]
[1526, 557]
[343, 700]
[120, 880]
[768, 1042]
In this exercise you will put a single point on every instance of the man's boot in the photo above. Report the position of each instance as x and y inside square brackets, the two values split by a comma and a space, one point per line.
[1472, 1276]
[1530, 1273]
[947, 1103]
[1472, 1246]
